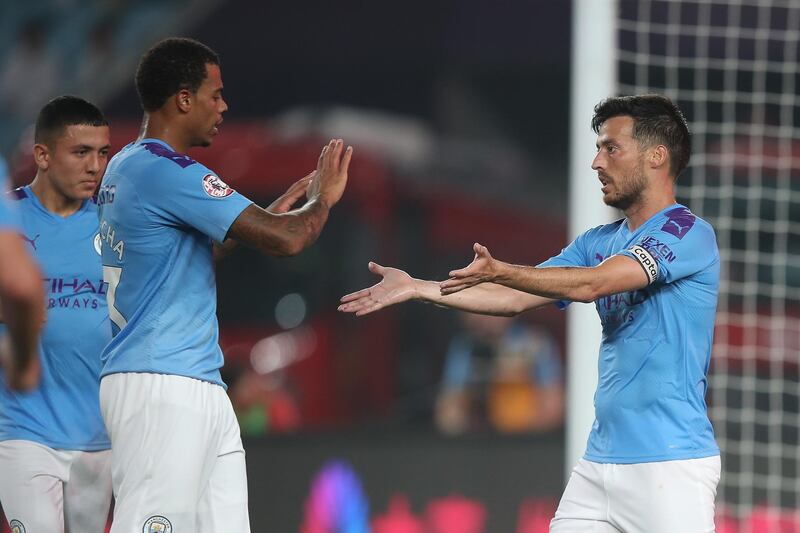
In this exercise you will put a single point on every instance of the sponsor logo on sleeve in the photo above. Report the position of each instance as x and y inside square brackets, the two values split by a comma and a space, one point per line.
[679, 221]
[215, 187]
[647, 261]
[157, 524]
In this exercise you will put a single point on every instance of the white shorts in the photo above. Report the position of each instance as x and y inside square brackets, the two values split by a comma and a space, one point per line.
[177, 457]
[662, 497]
[43, 490]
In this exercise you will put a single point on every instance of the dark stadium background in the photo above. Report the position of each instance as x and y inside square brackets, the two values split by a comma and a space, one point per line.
[484, 87]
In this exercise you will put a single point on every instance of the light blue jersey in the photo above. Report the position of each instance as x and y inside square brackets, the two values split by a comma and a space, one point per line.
[159, 213]
[63, 412]
[656, 347]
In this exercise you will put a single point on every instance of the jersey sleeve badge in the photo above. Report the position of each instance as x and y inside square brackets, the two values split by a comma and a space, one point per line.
[215, 187]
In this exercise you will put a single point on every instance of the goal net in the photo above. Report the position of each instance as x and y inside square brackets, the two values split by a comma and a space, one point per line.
[733, 66]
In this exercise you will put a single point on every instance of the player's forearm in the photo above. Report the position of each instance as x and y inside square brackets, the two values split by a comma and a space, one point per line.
[21, 298]
[576, 284]
[23, 317]
[283, 235]
[486, 299]
[303, 226]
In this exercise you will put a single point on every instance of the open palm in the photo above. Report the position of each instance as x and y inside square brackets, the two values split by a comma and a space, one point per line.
[395, 287]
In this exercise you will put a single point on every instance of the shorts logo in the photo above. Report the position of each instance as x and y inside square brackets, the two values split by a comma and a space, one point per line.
[16, 526]
[215, 187]
[647, 262]
[157, 524]
[97, 244]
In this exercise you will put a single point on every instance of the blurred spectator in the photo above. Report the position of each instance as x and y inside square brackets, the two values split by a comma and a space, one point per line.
[29, 75]
[99, 53]
[502, 374]
[263, 403]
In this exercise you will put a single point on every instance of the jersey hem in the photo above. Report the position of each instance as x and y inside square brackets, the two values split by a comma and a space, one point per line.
[71, 447]
[205, 380]
[694, 454]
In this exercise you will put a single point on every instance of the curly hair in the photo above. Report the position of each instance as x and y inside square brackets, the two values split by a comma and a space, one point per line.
[169, 66]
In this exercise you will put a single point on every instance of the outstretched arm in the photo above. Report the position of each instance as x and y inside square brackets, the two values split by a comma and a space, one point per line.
[22, 300]
[291, 232]
[283, 204]
[577, 284]
[397, 287]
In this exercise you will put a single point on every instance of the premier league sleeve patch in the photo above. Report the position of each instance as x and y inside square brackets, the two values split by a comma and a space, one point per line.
[647, 262]
[215, 187]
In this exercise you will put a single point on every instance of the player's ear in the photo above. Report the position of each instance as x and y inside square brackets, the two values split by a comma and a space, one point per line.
[41, 155]
[659, 156]
[183, 100]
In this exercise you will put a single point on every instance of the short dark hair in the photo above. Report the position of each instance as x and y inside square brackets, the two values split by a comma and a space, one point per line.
[169, 66]
[65, 111]
[656, 120]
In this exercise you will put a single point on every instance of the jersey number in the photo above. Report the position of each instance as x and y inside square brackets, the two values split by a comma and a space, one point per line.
[111, 276]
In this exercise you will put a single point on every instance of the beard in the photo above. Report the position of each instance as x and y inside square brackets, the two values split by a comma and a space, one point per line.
[629, 189]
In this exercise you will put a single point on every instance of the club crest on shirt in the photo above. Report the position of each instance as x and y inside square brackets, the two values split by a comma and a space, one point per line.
[98, 244]
[16, 526]
[157, 524]
[215, 187]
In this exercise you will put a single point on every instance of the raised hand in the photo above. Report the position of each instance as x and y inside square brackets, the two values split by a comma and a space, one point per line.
[482, 269]
[294, 193]
[330, 178]
[395, 287]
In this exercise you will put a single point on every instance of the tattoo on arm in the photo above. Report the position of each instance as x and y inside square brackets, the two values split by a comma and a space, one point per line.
[283, 235]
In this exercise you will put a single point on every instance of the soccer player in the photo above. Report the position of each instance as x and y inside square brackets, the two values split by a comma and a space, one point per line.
[651, 463]
[21, 301]
[55, 454]
[178, 461]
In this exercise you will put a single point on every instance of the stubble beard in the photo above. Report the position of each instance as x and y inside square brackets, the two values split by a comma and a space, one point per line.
[630, 188]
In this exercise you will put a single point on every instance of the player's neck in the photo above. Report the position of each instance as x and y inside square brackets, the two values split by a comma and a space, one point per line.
[52, 200]
[650, 203]
[155, 126]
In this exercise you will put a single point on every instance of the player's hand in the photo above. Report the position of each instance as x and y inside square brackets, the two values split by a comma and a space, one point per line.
[293, 194]
[395, 287]
[482, 269]
[330, 178]
[18, 377]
